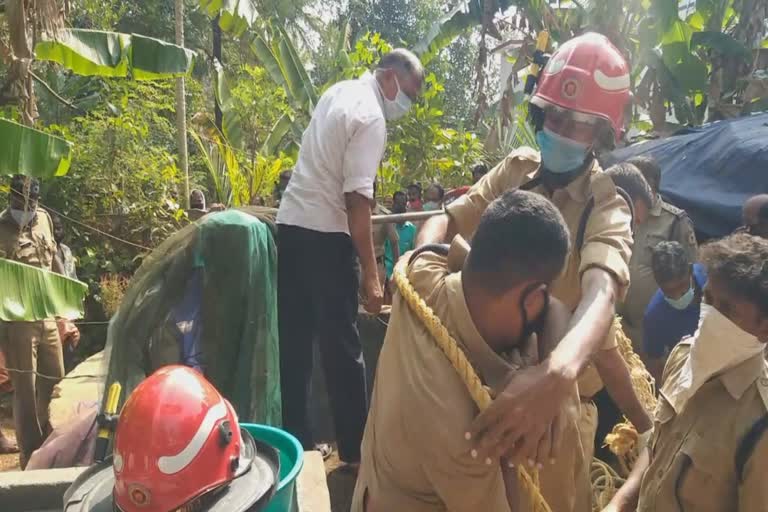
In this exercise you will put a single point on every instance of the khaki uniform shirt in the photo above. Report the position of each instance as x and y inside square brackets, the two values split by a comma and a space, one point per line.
[34, 244]
[666, 223]
[693, 454]
[607, 239]
[414, 455]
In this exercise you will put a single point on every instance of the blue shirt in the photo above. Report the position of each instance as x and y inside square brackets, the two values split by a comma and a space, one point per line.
[664, 326]
[407, 233]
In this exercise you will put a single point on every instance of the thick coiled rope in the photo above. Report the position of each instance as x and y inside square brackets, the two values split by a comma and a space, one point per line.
[461, 364]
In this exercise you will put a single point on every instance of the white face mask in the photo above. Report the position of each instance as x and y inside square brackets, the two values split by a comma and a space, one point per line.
[718, 345]
[397, 108]
[23, 217]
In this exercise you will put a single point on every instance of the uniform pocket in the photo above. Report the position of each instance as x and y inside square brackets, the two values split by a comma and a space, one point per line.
[706, 480]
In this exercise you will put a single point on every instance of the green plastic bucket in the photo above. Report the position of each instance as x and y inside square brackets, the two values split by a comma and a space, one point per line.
[291, 461]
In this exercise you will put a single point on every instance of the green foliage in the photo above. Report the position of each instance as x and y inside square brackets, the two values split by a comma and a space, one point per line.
[123, 178]
[24, 150]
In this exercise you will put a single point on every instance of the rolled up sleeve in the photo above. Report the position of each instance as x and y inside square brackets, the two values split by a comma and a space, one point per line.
[511, 172]
[363, 156]
[608, 238]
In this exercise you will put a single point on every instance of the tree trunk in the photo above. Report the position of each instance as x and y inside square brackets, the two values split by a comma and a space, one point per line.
[216, 28]
[181, 108]
[19, 79]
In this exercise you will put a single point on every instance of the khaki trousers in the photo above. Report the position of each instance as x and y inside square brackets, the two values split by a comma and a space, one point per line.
[32, 347]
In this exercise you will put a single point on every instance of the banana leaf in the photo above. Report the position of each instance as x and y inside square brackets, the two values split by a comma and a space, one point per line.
[232, 122]
[24, 150]
[87, 52]
[113, 54]
[721, 43]
[445, 30]
[31, 294]
[236, 16]
[153, 59]
[277, 134]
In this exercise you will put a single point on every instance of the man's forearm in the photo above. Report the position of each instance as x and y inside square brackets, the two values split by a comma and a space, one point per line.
[589, 325]
[359, 221]
[628, 495]
[435, 230]
[618, 382]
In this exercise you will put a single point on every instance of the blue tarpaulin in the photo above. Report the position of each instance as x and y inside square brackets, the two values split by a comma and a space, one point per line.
[709, 171]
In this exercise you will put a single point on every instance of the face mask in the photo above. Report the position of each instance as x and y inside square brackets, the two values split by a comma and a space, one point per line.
[397, 108]
[718, 345]
[431, 206]
[683, 302]
[559, 154]
[23, 217]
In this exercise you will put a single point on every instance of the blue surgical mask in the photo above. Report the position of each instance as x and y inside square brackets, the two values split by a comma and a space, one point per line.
[559, 154]
[683, 302]
[431, 206]
[397, 108]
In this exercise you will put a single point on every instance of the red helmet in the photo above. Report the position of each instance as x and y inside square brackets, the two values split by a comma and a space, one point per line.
[177, 446]
[588, 75]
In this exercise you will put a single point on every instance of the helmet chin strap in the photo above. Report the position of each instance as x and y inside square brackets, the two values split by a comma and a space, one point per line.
[554, 181]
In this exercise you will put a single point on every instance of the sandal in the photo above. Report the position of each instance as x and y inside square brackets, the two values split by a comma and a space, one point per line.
[7, 446]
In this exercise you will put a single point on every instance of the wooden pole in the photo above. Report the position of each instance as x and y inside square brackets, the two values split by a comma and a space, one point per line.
[181, 108]
[404, 217]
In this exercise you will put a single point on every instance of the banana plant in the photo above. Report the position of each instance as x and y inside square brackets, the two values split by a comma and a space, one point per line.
[25, 150]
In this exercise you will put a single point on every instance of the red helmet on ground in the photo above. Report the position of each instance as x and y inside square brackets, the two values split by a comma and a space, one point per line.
[178, 444]
[587, 75]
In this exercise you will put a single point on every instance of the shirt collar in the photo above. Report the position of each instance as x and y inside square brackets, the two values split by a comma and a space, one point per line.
[492, 367]
[738, 379]
[370, 78]
[580, 188]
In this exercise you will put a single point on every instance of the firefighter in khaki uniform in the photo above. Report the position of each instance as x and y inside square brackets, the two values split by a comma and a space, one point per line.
[709, 448]
[665, 223]
[414, 454]
[577, 109]
[26, 236]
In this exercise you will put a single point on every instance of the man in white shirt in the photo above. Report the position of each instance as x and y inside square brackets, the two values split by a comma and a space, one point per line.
[324, 226]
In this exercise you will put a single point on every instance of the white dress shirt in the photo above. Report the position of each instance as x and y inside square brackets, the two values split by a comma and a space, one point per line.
[340, 153]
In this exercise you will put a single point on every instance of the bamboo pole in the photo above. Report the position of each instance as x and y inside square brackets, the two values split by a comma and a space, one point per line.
[404, 217]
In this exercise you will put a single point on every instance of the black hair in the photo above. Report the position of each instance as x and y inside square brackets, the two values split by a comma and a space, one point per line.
[631, 180]
[669, 262]
[480, 168]
[19, 183]
[440, 189]
[403, 61]
[740, 263]
[650, 169]
[399, 193]
[414, 185]
[521, 237]
[762, 213]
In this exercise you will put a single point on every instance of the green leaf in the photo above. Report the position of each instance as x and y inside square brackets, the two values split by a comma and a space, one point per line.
[113, 54]
[153, 59]
[24, 150]
[267, 58]
[446, 29]
[232, 122]
[32, 294]
[721, 43]
[237, 16]
[277, 134]
[87, 52]
[295, 70]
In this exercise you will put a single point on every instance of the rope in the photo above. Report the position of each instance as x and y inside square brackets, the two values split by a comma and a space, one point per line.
[623, 439]
[51, 377]
[461, 364]
[605, 482]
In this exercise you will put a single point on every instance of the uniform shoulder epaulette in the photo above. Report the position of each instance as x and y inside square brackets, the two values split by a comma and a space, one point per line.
[603, 187]
[674, 210]
[525, 153]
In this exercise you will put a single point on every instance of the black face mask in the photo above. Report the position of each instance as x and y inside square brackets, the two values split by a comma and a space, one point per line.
[554, 181]
[536, 325]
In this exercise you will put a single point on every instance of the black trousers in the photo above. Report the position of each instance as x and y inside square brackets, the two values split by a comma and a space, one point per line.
[318, 300]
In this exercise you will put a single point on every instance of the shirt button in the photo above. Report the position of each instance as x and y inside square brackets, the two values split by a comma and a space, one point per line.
[659, 473]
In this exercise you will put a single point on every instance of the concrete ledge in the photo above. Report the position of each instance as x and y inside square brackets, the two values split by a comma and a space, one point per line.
[22, 491]
[312, 486]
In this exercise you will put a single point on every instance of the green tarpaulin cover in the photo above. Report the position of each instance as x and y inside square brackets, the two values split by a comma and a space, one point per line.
[206, 297]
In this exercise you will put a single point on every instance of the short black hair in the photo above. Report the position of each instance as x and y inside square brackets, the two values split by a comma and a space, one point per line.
[740, 263]
[669, 262]
[480, 168]
[521, 237]
[631, 180]
[414, 185]
[20, 182]
[762, 213]
[440, 189]
[398, 194]
[650, 169]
